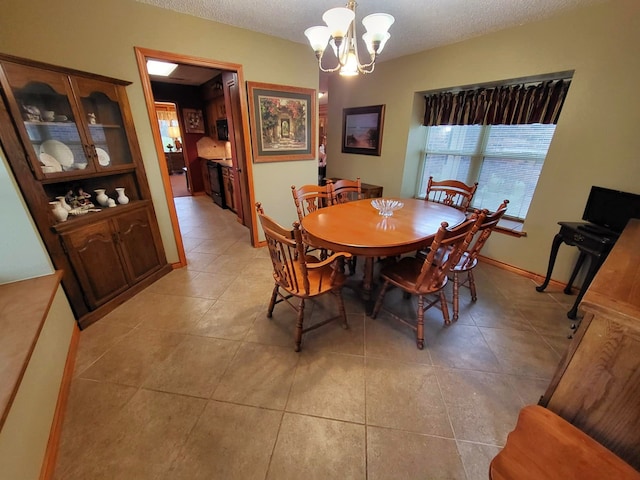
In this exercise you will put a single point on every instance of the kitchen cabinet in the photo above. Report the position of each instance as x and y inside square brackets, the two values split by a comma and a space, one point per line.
[70, 133]
[204, 167]
[227, 183]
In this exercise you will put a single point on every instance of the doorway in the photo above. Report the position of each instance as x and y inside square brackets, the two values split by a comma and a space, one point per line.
[235, 102]
[169, 125]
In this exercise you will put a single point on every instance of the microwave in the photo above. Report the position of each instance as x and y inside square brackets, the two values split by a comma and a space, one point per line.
[223, 130]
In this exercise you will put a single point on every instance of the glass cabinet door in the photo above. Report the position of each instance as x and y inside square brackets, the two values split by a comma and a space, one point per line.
[43, 100]
[103, 118]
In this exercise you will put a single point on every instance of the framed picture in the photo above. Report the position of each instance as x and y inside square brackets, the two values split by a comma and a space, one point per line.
[193, 120]
[282, 122]
[362, 130]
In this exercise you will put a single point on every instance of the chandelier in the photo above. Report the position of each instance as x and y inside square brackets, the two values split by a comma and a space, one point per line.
[340, 33]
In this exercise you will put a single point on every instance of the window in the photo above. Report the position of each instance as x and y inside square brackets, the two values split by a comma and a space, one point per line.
[168, 117]
[505, 160]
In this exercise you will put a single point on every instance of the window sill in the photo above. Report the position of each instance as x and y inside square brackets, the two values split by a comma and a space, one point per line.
[510, 227]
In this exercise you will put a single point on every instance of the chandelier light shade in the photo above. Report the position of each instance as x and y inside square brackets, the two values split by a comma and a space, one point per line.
[340, 33]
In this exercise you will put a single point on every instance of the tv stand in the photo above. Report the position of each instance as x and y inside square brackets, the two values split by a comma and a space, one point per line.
[596, 229]
[593, 242]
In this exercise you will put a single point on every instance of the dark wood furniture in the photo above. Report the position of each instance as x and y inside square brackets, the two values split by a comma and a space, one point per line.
[597, 384]
[368, 190]
[175, 162]
[543, 446]
[593, 242]
[65, 130]
[469, 259]
[300, 275]
[451, 192]
[428, 276]
[357, 228]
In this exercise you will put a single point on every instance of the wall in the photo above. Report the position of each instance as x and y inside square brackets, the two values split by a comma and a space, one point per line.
[99, 37]
[596, 140]
[22, 253]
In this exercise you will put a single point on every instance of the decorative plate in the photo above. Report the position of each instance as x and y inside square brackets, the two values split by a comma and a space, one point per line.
[103, 157]
[51, 164]
[58, 151]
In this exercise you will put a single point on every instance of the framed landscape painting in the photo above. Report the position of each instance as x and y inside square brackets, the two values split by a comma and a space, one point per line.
[362, 130]
[282, 120]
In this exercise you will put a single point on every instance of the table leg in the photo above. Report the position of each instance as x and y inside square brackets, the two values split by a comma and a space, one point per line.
[594, 264]
[367, 284]
[557, 240]
[576, 269]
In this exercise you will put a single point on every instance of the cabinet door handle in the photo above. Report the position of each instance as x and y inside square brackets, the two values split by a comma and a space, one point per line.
[87, 150]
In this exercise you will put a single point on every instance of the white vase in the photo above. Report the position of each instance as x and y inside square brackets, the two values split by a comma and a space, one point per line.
[101, 197]
[63, 202]
[122, 198]
[59, 212]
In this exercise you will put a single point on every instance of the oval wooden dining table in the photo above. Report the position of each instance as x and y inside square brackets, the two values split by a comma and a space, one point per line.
[356, 227]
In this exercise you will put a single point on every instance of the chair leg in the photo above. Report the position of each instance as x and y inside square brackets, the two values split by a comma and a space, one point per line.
[378, 304]
[298, 334]
[445, 308]
[456, 293]
[341, 309]
[472, 286]
[272, 303]
[420, 324]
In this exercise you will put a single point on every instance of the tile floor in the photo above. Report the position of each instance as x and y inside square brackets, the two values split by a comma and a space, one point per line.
[190, 380]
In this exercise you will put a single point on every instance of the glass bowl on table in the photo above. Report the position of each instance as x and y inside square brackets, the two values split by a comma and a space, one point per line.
[386, 206]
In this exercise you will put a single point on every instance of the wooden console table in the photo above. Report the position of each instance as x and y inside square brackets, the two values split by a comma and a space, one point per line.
[597, 384]
[593, 243]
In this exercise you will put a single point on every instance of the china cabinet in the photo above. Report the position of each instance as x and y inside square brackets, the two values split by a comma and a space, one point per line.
[70, 134]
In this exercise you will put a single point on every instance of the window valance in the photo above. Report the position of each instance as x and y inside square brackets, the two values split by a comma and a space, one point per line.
[515, 104]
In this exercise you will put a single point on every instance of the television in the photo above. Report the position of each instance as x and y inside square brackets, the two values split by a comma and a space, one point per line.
[611, 209]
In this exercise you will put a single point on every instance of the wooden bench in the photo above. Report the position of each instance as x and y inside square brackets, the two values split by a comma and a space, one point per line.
[545, 446]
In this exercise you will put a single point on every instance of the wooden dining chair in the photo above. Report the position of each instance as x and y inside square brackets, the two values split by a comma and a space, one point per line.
[469, 259]
[451, 192]
[309, 198]
[344, 190]
[429, 276]
[300, 275]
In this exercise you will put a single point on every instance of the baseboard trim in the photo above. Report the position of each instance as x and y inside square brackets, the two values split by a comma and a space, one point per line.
[51, 453]
[519, 271]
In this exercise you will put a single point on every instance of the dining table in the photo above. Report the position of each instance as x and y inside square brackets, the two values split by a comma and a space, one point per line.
[358, 228]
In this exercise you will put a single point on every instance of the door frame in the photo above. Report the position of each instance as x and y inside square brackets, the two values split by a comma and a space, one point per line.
[141, 57]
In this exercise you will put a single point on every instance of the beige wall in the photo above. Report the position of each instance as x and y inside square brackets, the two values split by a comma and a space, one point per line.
[100, 36]
[596, 139]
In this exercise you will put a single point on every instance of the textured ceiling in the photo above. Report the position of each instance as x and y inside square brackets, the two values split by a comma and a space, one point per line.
[419, 25]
